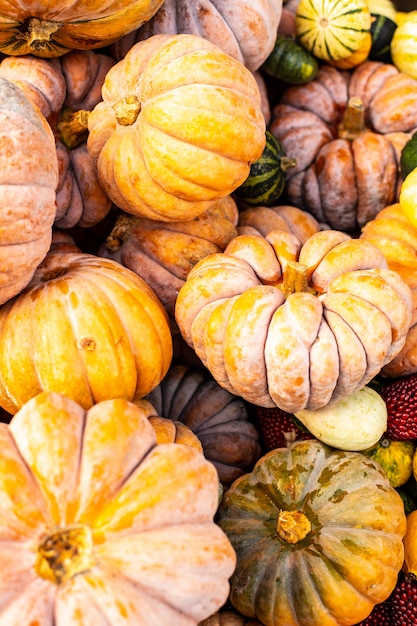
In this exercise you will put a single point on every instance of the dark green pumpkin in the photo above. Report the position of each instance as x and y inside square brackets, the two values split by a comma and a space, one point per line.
[382, 30]
[408, 159]
[266, 181]
[317, 534]
[290, 62]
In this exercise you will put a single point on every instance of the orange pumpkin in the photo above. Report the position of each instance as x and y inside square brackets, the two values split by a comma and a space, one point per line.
[106, 526]
[162, 253]
[244, 29]
[41, 80]
[396, 237]
[178, 128]
[47, 29]
[86, 327]
[294, 326]
[28, 182]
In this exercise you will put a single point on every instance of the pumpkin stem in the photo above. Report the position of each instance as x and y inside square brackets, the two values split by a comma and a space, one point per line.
[38, 32]
[287, 163]
[353, 123]
[293, 526]
[72, 127]
[295, 278]
[127, 110]
[64, 553]
[120, 232]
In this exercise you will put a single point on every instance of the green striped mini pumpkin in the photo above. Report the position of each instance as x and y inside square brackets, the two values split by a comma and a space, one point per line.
[266, 180]
[332, 29]
[290, 62]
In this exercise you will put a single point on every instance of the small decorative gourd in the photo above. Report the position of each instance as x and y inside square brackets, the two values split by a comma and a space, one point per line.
[106, 526]
[333, 29]
[318, 536]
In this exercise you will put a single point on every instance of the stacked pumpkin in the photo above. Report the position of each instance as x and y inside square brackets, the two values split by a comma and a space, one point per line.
[132, 370]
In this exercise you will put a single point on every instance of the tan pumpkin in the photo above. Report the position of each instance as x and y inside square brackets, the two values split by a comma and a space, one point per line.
[107, 526]
[86, 327]
[84, 72]
[244, 29]
[28, 182]
[41, 80]
[221, 420]
[54, 86]
[178, 128]
[49, 30]
[80, 197]
[338, 127]
[163, 253]
[294, 326]
[396, 237]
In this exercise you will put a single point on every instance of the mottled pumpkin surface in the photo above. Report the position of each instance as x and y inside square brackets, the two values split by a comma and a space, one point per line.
[102, 525]
[318, 536]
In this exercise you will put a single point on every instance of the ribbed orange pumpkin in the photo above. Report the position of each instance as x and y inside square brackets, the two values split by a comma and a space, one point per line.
[101, 525]
[396, 237]
[50, 29]
[86, 327]
[294, 326]
[178, 128]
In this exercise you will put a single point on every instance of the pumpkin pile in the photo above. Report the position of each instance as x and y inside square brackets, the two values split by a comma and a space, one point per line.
[208, 313]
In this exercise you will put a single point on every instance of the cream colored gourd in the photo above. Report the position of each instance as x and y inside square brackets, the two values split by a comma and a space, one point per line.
[354, 423]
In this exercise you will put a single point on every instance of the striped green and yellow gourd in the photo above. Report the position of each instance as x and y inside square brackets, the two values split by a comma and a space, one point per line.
[266, 181]
[332, 29]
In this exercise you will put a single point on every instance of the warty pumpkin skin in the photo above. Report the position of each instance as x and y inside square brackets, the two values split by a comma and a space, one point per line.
[318, 536]
[178, 128]
[86, 327]
[28, 182]
[49, 30]
[219, 419]
[338, 127]
[244, 29]
[294, 326]
[106, 527]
